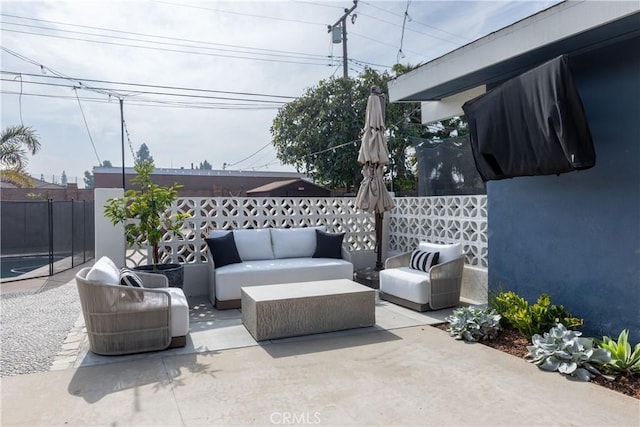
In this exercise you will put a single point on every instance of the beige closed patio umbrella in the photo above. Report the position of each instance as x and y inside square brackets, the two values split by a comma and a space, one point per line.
[372, 195]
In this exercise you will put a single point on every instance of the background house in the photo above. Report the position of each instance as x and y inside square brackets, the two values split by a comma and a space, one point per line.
[43, 190]
[197, 182]
[575, 236]
[290, 188]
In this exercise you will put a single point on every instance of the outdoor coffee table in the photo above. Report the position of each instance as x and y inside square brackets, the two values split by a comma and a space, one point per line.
[292, 309]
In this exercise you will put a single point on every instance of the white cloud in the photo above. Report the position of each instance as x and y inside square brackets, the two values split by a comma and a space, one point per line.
[178, 137]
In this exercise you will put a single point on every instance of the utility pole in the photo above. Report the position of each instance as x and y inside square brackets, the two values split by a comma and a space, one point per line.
[342, 23]
[122, 138]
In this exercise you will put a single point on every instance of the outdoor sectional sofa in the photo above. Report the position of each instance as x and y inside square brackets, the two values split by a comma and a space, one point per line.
[270, 256]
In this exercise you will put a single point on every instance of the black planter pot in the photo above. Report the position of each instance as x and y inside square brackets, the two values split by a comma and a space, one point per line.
[174, 272]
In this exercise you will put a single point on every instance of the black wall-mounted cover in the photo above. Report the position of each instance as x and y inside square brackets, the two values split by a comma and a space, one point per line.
[533, 124]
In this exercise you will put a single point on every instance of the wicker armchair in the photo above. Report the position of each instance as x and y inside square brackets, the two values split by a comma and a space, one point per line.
[124, 320]
[433, 290]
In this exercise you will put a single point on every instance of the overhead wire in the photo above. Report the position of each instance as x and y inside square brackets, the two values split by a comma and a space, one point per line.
[110, 36]
[126, 131]
[160, 37]
[169, 94]
[168, 50]
[250, 156]
[57, 73]
[404, 22]
[155, 86]
[318, 4]
[465, 39]
[275, 18]
[156, 103]
[87, 127]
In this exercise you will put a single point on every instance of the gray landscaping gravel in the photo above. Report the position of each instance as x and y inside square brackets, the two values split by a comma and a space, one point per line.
[34, 326]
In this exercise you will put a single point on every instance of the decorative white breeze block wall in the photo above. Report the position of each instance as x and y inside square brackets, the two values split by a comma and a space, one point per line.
[220, 213]
[444, 219]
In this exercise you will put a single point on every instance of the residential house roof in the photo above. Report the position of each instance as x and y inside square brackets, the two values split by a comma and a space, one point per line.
[568, 27]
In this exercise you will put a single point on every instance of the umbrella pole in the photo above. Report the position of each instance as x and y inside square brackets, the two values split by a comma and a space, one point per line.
[378, 227]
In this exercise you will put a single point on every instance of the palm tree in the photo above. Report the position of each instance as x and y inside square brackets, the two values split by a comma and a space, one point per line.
[15, 142]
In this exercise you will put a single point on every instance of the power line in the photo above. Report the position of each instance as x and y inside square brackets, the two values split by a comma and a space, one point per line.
[142, 92]
[57, 73]
[110, 36]
[248, 157]
[466, 40]
[159, 37]
[404, 22]
[275, 18]
[151, 86]
[126, 130]
[155, 103]
[167, 49]
[87, 127]
[318, 4]
[384, 43]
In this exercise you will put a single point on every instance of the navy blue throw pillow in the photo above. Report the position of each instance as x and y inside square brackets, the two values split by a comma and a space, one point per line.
[223, 250]
[328, 245]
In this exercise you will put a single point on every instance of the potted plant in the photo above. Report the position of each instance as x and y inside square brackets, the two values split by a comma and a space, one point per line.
[146, 218]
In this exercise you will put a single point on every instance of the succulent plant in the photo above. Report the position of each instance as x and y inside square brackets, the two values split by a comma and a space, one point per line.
[567, 352]
[531, 319]
[474, 323]
[622, 358]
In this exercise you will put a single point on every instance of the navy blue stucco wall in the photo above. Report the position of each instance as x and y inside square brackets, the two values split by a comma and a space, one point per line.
[576, 236]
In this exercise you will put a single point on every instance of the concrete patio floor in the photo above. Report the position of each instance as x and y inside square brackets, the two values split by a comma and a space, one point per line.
[399, 372]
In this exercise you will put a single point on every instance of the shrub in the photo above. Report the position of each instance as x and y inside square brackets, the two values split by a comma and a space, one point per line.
[623, 360]
[532, 319]
[474, 324]
[567, 352]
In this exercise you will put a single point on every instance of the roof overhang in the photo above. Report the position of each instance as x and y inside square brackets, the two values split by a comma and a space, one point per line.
[568, 27]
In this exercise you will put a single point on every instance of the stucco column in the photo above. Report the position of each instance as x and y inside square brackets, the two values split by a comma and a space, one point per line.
[109, 238]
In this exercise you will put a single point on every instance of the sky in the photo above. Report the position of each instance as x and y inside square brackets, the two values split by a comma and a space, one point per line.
[201, 80]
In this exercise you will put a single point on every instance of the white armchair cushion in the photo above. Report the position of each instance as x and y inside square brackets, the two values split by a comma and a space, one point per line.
[448, 252]
[179, 312]
[253, 244]
[104, 271]
[294, 242]
[404, 282]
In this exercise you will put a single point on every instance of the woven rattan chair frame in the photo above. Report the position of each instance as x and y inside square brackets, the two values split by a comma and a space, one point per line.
[118, 324]
[445, 280]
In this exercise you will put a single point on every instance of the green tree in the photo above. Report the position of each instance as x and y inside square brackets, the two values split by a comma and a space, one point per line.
[15, 143]
[88, 179]
[331, 115]
[63, 178]
[107, 164]
[205, 165]
[143, 154]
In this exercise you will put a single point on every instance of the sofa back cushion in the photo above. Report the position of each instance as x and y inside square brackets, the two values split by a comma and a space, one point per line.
[253, 244]
[294, 242]
[448, 252]
[104, 271]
